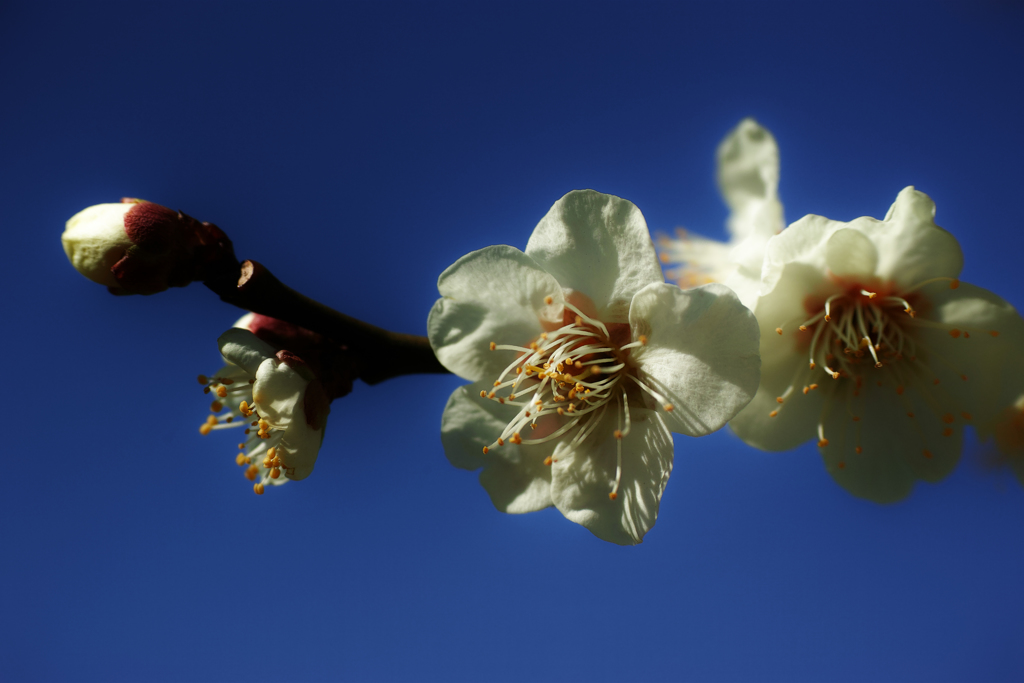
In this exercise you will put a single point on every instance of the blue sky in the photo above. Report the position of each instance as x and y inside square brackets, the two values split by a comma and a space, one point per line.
[358, 149]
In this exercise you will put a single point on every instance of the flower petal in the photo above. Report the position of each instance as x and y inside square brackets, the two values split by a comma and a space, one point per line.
[94, 239]
[279, 394]
[582, 476]
[911, 247]
[244, 349]
[896, 449]
[597, 244]
[748, 178]
[701, 353]
[496, 294]
[850, 253]
[995, 376]
[515, 477]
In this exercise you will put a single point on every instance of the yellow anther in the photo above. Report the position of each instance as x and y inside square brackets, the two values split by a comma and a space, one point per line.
[493, 346]
[222, 391]
[835, 375]
[778, 330]
[486, 449]
[773, 413]
[203, 379]
[806, 390]
[778, 399]
[275, 473]
[483, 394]
[267, 463]
[822, 443]
[910, 311]
[828, 318]
[511, 397]
[669, 407]
[543, 335]
[547, 461]
[258, 489]
[617, 434]
[549, 300]
[240, 459]
[643, 340]
[251, 473]
[516, 439]
[612, 495]
[803, 328]
[241, 446]
[813, 387]
[497, 383]
[561, 411]
[813, 365]
[519, 371]
[501, 442]
[491, 395]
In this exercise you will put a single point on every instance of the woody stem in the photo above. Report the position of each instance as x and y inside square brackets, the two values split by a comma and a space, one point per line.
[381, 354]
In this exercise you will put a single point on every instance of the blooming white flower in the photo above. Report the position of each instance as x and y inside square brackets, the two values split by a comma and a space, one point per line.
[583, 361]
[870, 342]
[276, 398]
[748, 178]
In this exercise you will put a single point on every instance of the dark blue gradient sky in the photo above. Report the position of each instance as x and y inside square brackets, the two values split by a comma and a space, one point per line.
[358, 149]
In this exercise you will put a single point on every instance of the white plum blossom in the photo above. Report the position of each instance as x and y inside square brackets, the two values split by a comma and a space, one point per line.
[748, 178]
[583, 361]
[278, 401]
[871, 345]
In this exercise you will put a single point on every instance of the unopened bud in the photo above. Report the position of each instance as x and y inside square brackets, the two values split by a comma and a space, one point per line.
[138, 247]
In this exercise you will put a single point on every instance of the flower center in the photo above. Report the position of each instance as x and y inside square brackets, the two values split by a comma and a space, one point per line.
[873, 333]
[258, 454]
[566, 380]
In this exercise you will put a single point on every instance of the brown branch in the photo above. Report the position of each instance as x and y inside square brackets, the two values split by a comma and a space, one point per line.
[379, 353]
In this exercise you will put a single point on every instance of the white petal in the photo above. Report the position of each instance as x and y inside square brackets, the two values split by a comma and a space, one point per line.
[850, 253]
[94, 240]
[995, 375]
[911, 248]
[896, 449]
[701, 353]
[496, 295]
[582, 478]
[515, 477]
[748, 178]
[279, 394]
[597, 244]
[244, 349]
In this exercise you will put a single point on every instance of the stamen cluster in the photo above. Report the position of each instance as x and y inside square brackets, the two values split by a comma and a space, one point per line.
[575, 373]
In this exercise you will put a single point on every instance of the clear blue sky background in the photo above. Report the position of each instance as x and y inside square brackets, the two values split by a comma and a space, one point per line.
[358, 150]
